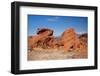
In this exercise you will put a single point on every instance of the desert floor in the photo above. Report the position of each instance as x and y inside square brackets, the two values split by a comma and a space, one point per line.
[53, 54]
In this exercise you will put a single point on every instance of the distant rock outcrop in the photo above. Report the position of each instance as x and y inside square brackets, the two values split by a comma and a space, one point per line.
[84, 37]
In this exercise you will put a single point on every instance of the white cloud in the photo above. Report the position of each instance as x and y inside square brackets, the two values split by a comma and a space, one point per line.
[53, 19]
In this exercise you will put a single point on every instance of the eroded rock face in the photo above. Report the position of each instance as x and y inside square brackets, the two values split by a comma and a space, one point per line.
[46, 31]
[84, 37]
[67, 41]
[43, 39]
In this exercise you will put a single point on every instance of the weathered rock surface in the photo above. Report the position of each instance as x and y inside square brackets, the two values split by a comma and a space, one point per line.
[68, 41]
[43, 39]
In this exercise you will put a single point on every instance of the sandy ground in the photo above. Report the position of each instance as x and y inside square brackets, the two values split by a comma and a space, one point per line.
[53, 54]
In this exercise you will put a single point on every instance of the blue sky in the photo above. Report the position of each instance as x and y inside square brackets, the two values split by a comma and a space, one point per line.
[57, 23]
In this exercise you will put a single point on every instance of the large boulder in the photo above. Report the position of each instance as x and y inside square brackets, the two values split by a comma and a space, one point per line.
[43, 39]
[69, 40]
[44, 31]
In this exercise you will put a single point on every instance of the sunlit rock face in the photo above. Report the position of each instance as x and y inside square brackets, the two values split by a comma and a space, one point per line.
[43, 39]
[68, 41]
[45, 46]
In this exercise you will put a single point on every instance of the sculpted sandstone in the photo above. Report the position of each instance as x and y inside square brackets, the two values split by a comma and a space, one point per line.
[67, 41]
[43, 39]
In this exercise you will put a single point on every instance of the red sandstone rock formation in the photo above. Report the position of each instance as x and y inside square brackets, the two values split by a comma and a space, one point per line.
[69, 39]
[46, 31]
[43, 38]
[84, 37]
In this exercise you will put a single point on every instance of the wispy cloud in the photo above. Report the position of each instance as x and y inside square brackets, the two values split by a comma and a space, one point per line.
[53, 19]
